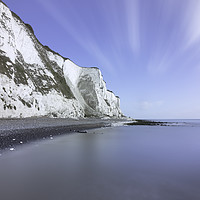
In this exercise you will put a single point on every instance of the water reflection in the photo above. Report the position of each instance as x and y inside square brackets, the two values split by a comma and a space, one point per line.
[123, 163]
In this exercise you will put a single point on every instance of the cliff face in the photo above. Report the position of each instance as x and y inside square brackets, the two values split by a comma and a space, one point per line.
[36, 81]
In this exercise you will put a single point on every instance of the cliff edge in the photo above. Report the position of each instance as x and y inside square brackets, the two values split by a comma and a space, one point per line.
[36, 81]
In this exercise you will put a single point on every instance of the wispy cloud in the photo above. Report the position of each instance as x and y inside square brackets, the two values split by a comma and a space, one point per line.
[147, 105]
[192, 20]
[84, 38]
[178, 30]
[132, 10]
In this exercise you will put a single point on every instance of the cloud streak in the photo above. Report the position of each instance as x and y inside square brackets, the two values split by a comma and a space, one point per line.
[84, 38]
[153, 46]
[193, 20]
[147, 105]
[132, 10]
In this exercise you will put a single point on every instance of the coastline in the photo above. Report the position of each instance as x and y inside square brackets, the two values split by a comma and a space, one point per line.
[14, 132]
[106, 161]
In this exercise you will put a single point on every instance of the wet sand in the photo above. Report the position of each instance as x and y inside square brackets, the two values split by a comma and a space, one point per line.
[19, 131]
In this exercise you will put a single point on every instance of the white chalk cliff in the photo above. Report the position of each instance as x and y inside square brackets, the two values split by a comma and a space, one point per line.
[36, 81]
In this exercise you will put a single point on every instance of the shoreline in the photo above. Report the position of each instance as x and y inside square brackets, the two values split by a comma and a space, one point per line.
[14, 132]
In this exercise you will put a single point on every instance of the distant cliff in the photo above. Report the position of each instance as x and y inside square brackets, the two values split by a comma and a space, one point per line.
[36, 81]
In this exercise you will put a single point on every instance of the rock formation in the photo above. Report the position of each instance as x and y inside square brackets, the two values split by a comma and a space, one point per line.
[36, 81]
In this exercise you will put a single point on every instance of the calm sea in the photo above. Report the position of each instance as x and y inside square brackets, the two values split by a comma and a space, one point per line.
[118, 163]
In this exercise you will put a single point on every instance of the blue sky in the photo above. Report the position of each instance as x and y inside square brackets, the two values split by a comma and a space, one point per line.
[147, 50]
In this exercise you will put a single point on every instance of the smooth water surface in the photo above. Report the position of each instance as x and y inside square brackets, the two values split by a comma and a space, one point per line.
[135, 163]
